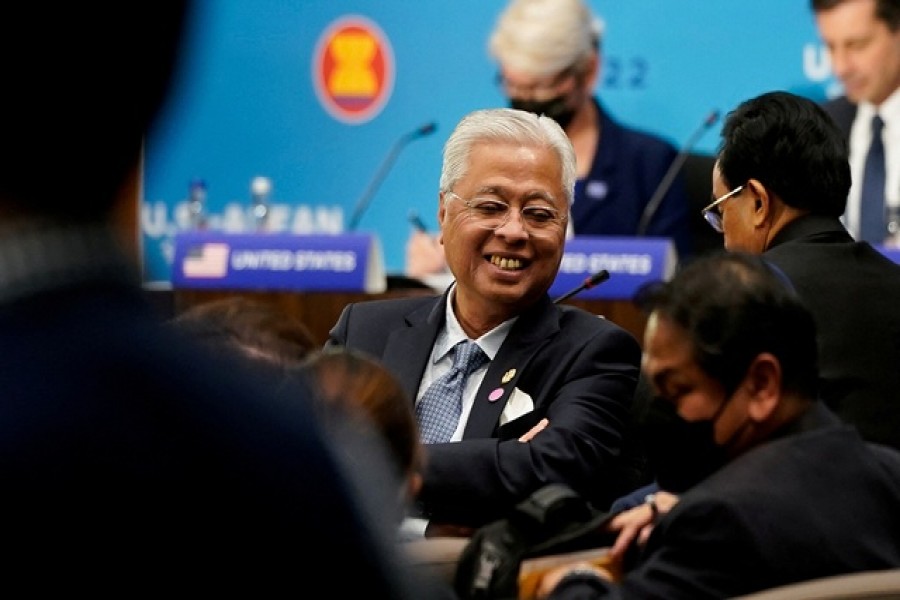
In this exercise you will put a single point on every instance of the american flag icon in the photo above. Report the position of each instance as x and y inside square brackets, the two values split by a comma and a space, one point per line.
[206, 261]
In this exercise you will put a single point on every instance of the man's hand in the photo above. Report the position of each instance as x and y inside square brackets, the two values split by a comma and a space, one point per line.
[447, 530]
[529, 435]
[637, 523]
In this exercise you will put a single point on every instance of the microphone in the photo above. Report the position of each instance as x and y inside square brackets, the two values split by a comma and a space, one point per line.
[386, 164]
[592, 281]
[666, 182]
[416, 221]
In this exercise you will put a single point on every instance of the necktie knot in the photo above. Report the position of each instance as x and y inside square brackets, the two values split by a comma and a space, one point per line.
[467, 357]
[877, 125]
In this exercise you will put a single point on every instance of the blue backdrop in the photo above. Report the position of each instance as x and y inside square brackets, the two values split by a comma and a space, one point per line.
[268, 90]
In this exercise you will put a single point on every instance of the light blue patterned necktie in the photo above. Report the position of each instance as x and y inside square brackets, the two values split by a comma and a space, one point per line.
[439, 408]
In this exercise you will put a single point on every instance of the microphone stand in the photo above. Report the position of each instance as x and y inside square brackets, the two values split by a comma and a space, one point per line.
[592, 281]
[666, 182]
[386, 164]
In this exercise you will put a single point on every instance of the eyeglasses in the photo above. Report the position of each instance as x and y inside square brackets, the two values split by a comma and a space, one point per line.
[537, 91]
[711, 213]
[539, 220]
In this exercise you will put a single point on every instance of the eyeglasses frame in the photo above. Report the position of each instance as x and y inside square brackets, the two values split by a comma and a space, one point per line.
[713, 216]
[561, 216]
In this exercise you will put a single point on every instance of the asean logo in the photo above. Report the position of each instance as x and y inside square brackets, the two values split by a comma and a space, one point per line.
[353, 69]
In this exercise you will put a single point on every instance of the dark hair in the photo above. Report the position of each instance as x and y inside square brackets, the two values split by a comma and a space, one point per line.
[885, 10]
[83, 83]
[735, 306]
[360, 384]
[791, 145]
[251, 328]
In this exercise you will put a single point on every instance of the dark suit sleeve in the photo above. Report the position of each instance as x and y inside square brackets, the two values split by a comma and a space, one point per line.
[585, 388]
[697, 551]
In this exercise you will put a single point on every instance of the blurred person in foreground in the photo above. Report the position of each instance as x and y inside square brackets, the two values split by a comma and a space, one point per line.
[131, 459]
[359, 402]
[357, 384]
[357, 398]
[731, 348]
[781, 178]
[504, 194]
[257, 329]
[549, 53]
[358, 393]
[863, 42]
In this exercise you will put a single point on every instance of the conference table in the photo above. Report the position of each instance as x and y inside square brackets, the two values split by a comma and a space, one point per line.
[320, 310]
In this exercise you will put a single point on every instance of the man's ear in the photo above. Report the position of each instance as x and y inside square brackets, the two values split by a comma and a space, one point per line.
[762, 202]
[442, 214]
[442, 209]
[763, 384]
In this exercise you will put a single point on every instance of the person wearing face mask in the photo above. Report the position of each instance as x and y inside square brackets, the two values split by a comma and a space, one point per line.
[732, 349]
[549, 58]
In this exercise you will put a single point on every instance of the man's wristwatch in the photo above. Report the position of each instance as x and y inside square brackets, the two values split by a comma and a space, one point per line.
[583, 574]
[650, 500]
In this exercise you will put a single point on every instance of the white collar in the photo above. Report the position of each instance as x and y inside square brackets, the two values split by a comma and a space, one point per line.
[453, 333]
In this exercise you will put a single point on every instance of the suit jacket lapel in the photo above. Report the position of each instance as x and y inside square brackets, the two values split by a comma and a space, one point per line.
[527, 336]
[408, 348]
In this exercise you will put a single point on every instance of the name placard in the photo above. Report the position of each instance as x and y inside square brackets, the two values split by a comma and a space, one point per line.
[631, 262]
[274, 261]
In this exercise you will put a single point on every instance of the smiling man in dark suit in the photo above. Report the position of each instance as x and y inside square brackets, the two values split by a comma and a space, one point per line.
[505, 189]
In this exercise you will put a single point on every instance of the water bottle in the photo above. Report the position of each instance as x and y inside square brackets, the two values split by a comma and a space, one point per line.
[197, 204]
[260, 188]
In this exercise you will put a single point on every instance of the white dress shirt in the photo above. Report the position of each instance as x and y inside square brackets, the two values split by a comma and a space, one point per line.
[440, 361]
[860, 139]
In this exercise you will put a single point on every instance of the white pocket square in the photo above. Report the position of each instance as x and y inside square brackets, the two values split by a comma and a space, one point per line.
[518, 404]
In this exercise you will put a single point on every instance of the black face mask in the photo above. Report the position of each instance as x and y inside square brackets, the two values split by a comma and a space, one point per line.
[555, 108]
[682, 453]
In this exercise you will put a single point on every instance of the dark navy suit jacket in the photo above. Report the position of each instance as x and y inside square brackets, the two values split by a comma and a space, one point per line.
[628, 166]
[843, 112]
[132, 460]
[853, 292]
[580, 370]
[813, 502]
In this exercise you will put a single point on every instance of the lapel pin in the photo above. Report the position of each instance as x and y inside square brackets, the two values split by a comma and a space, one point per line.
[507, 377]
[496, 395]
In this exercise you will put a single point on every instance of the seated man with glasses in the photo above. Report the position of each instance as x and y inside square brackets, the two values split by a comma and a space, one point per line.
[548, 398]
[782, 176]
[549, 58]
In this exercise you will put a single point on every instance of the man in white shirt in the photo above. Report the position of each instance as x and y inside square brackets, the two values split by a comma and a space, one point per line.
[863, 40]
[504, 195]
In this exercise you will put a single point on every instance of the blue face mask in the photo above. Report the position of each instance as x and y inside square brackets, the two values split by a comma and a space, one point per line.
[682, 453]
